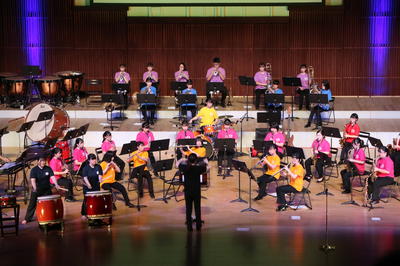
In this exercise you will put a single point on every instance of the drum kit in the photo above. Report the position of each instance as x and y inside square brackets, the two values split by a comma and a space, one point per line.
[63, 86]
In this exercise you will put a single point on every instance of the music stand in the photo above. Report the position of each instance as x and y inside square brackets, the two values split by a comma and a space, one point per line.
[128, 148]
[45, 116]
[117, 99]
[50, 144]
[161, 167]
[238, 165]
[3, 132]
[269, 117]
[295, 150]
[225, 145]
[159, 145]
[145, 100]
[261, 145]
[213, 87]
[24, 127]
[185, 99]
[247, 81]
[274, 98]
[292, 82]
[319, 98]
[31, 71]
[331, 132]
[186, 142]
[242, 167]
[122, 89]
[376, 143]
[70, 135]
[82, 130]
[178, 86]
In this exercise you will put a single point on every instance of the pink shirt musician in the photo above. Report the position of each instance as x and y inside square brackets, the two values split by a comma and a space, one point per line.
[80, 154]
[262, 78]
[182, 75]
[356, 165]
[122, 77]
[304, 90]
[185, 133]
[59, 170]
[226, 133]
[145, 136]
[321, 150]
[216, 74]
[277, 137]
[150, 73]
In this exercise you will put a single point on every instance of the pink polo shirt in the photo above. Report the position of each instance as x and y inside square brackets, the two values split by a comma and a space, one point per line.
[359, 155]
[153, 74]
[57, 166]
[321, 146]
[387, 164]
[216, 78]
[79, 155]
[304, 80]
[107, 145]
[278, 137]
[262, 77]
[181, 78]
[185, 134]
[145, 138]
[227, 134]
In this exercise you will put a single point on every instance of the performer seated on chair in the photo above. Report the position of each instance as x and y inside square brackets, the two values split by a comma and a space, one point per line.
[108, 181]
[60, 169]
[277, 137]
[40, 177]
[216, 74]
[64, 145]
[319, 108]
[295, 175]
[182, 75]
[351, 132]
[226, 133]
[304, 90]
[79, 155]
[199, 150]
[277, 107]
[384, 170]
[109, 145]
[355, 165]
[140, 159]
[146, 137]
[321, 150]
[189, 106]
[150, 74]
[207, 114]
[395, 155]
[122, 77]
[148, 107]
[191, 170]
[273, 163]
[92, 174]
[185, 133]
[262, 79]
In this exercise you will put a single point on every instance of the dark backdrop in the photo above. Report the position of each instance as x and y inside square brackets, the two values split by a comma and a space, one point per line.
[334, 40]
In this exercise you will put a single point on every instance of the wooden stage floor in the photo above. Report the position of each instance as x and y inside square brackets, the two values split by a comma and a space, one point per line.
[157, 235]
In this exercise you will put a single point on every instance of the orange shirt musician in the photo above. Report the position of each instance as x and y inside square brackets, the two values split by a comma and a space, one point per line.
[350, 133]
[185, 133]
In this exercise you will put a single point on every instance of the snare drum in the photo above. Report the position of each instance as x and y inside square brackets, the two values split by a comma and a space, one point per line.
[49, 209]
[8, 200]
[203, 179]
[48, 86]
[17, 86]
[98, 204]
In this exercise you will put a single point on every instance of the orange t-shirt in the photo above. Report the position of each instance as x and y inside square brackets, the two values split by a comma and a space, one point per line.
[297, 182]
[275, 160]
[109, 176]
[137, 161]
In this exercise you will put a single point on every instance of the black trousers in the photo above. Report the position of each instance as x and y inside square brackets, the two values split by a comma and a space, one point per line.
[258, 93]
[345, 151]
[346, 177]
[121, 164]
[140, 173]
[119, 187]
[262, 182]
[375, 187]
[229, 157]
[67, 183]
[148, 108]
[30, 211]
[85, 190]
[281, 191]
[395, 156]
[190, 201]
[319, 166]
[304, 94]
[190, 108]
[316, 111]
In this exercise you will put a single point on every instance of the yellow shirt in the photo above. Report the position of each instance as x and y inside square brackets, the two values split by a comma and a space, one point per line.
[200, 151]
[109, 176]
[137, 161]
[297, 182]
[275, 160]
[207, 115]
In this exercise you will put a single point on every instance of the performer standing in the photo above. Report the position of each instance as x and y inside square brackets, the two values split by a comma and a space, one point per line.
[273, 162]
[384, 170]
[122, 77]
[108, 182]
[182, 75]
[295, 175]
[140, 159]
[277, 107]
[185, 133]
[191, 172]
[321, 150]
[316, 110]
[217, 74]
[40, 177]
[92, 174]
[148, 107]
[226, 133]
[277, 137]
[207, 114]
[109, 145]
[351, 132]
[146, 137]
[356, 165]
[262, 79]
[150, 74]
[79, 155]
[60, 169]
[189, 106]
[304, 90]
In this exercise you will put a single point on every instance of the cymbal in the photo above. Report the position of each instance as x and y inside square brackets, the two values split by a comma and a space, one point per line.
[225, 116]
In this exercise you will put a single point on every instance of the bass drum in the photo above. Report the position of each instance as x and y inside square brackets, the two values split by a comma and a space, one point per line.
[207, 143]
[49, 129]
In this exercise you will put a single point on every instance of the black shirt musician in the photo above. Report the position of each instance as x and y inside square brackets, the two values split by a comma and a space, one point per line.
[92, 174]
[191, 172]
[40, 179]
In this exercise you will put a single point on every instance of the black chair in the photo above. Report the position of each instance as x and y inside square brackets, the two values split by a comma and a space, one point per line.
[9, 222]
[333, 163]
[304, 195]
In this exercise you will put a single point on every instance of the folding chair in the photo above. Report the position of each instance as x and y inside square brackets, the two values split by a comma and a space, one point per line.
[304, 195]
[333, 163]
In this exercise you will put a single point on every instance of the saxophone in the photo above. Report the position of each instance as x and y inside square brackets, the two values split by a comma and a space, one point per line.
[371, 177]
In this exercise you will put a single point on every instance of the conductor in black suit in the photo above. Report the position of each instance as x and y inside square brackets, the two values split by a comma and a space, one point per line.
[191, 171]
